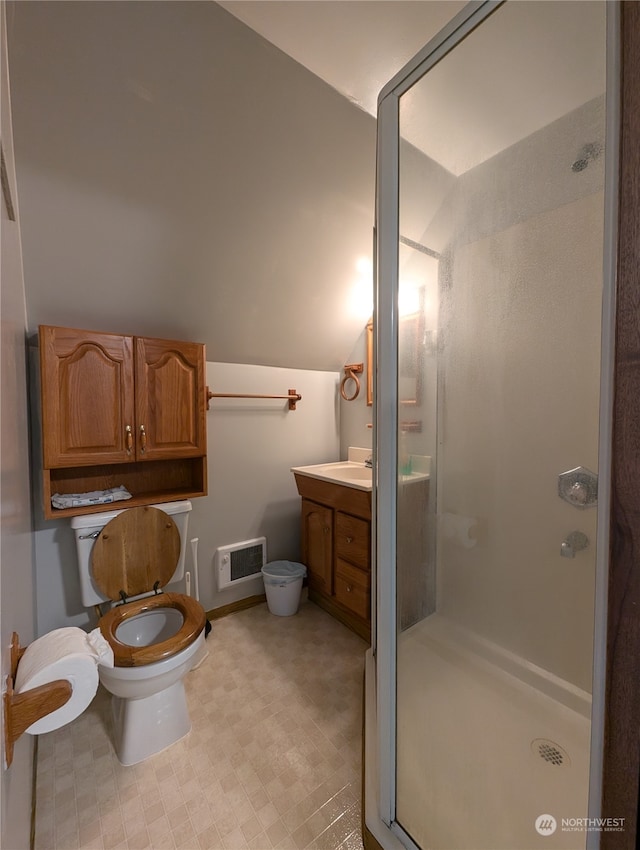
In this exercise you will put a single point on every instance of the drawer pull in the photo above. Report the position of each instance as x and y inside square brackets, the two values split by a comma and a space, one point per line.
[349, 588]
[128, 437]
[349, 539]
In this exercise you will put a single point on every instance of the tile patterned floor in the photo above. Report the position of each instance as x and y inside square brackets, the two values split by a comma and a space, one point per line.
[273, 759]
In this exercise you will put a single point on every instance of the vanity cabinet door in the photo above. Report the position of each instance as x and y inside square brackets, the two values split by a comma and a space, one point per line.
[317, 545]
[87, 397]
[170, 399]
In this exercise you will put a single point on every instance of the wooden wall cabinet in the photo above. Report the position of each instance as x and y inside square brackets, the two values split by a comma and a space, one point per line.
[336, 549]
[121, 410]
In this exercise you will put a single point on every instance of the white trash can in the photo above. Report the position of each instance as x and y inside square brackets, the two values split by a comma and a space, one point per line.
[283, 585]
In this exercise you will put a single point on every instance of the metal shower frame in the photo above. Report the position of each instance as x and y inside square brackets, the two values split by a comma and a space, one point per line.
[385, 417]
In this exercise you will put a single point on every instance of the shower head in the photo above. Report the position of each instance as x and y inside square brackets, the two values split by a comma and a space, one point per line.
[589, 152]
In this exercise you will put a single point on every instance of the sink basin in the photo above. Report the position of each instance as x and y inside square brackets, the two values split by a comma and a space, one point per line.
[357, 473]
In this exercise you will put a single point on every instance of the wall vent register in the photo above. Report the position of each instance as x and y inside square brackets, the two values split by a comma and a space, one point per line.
[240, 562]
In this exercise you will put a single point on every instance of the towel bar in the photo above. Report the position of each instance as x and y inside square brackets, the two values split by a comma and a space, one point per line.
[292, 395]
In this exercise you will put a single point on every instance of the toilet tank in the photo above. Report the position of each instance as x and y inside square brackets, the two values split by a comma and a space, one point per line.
[92, 524]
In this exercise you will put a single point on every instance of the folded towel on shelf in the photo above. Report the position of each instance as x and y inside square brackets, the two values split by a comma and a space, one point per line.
[96, 497]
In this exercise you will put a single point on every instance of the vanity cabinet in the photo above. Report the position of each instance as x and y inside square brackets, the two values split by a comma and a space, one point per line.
[121, 410]
[336, 549]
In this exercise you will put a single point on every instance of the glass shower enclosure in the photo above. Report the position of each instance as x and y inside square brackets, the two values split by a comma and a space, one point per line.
[493, 352]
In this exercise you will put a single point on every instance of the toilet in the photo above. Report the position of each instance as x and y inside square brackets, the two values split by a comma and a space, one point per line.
[126, 558]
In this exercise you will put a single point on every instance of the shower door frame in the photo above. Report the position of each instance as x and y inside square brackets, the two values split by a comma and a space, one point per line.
[621, 767]
[604, 761]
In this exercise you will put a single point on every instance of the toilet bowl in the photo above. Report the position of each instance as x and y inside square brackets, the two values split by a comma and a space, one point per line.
[156, 635]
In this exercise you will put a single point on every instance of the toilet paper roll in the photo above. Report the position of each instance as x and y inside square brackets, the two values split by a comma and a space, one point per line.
[70, 654]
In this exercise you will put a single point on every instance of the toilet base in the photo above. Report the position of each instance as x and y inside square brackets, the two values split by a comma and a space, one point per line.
[144, 727]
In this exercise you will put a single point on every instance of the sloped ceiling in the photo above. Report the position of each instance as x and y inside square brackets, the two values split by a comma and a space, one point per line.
[182, 174]
[357, 46]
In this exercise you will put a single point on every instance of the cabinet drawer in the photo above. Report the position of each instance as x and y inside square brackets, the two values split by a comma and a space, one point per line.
[353, 539]
[352, 589]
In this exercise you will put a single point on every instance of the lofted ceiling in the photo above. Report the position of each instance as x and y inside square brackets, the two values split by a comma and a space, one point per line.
[493, 81]
[503, 84]
[253, 241]
[356, 46]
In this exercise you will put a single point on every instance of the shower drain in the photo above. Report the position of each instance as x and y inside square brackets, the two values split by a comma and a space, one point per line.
[550, 752]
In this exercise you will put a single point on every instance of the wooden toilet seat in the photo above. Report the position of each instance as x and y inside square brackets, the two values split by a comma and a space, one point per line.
[136, 552]
[136, 656]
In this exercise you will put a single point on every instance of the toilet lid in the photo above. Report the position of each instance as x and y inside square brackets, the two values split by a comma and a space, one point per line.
[135, 550]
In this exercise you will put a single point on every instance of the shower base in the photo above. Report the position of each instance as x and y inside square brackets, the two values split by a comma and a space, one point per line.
[486, 744]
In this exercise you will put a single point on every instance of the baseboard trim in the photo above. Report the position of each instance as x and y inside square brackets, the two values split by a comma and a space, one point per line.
[239, 605]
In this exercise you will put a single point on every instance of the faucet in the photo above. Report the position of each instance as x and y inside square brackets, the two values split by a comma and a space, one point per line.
[368, 462]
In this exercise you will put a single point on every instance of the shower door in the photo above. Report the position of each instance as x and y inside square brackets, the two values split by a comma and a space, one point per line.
[492, 275]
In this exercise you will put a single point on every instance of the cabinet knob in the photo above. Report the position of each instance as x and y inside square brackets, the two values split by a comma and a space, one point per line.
[128, 438]
[349, 539]
[349, 588]
[143, 438]
[325, 528]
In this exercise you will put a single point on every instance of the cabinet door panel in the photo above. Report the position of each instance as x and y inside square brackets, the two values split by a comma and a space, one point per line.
[87, 397]
[317, 545]
[170, 399]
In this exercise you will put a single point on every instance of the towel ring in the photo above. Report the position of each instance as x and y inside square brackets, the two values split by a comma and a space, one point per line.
[351, 372]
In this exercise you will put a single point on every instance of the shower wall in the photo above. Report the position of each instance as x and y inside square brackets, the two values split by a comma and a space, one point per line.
[501, 453]
[525, 269]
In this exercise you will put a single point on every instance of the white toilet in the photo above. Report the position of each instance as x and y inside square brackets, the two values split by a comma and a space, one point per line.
[126, 557]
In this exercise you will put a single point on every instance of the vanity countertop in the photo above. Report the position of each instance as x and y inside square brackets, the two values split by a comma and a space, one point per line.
[345, 472]
[354, 472]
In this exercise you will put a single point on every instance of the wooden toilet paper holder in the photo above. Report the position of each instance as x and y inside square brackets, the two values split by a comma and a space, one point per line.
[21, 710]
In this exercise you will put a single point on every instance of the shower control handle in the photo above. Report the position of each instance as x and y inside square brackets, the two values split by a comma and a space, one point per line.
[579, 493]
[579, 487]
[574, 542]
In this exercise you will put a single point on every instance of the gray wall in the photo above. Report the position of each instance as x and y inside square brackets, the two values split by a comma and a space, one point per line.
[181, 177]
[16, 551]
[356, 416]
[252, 444]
